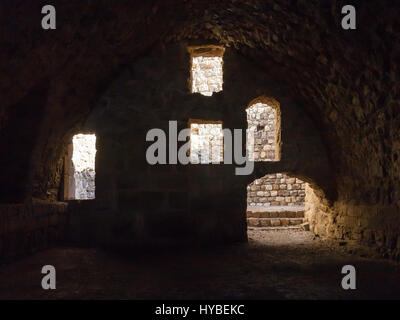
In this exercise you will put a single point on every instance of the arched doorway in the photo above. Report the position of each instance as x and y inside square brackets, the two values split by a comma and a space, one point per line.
[276, 201]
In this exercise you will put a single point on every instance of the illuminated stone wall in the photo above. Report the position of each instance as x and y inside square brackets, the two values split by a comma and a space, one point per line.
[83, 160]
[276, 189]
[206, 75]
[261, 132]
[206, 143]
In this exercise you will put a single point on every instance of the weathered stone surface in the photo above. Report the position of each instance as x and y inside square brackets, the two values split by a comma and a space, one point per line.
[140, 211]
[263, 131]
[83, 163]
[26, 228]
[207, 75]
[288, 194]
[345, 81]
[372, 225]
[206, 142]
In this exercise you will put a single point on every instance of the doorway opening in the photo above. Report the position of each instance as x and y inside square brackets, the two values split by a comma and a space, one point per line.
[276, 201]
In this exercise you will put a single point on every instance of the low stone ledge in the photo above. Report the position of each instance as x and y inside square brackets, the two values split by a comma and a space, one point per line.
[25, 228]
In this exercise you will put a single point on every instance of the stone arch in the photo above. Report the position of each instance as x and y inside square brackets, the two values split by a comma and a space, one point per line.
[318, 213]
[276, 189]
[287, 199]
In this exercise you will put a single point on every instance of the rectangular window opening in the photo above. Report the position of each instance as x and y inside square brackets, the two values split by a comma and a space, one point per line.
[79, 179]
[206, 141]
[206, 69]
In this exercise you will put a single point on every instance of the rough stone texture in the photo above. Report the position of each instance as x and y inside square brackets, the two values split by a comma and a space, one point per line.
[269, 223]
[140, 205]
[26, 228]
[262, 132]
[207, 75]
[84, 184]
[276, 190]
[206, 143]
[372, 225]
[83, 166]
[345, 81]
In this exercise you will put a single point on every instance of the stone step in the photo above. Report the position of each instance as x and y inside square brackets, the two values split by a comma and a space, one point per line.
[275, 214]
[298, 227]
[274, 222]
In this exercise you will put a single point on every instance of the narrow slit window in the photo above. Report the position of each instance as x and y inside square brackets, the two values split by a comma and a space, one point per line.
[80, 168]
[206, 142]
[206, 69]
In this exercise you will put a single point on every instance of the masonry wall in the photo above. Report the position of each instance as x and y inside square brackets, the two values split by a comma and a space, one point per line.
[207, 75]
[206, 142]
[141, 205]
[346, 81]
[263, 136]
[375, 226]
[26, 228]
[262, 132]
[79, 168]
[276, 190]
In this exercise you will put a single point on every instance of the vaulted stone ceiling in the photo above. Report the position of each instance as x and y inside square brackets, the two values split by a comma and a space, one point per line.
[346, 80]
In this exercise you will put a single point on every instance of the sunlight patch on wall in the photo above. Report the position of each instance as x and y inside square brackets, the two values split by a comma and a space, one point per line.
[83, 160]
[206, 143]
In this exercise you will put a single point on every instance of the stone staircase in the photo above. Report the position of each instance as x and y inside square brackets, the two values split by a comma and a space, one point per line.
[282, 217]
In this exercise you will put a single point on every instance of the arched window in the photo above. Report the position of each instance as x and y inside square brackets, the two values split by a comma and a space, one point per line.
[264, 130]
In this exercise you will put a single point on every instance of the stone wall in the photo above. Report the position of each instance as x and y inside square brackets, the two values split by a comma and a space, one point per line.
[206, 75]
[26, 228]
[347, 81]
[375, 226]
[206, 142]
[143, 205]
[261, 132]
[79, 172]
[85, 184]
[276, 190]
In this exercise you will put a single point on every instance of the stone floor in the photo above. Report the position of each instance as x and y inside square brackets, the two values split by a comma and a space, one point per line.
[286, 264]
